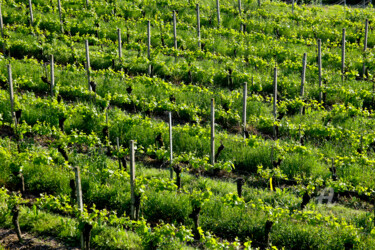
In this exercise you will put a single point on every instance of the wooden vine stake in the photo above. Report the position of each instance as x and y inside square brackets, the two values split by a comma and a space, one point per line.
[149, 46]
[132, 179]
[79, 198]
[87, 3]
[170, 143]
[88, 63]
[31, 13]
[52, 75]
[2, 29]
[258, 3]
[292, 6]
[303, 76]
[244, 108]
[175, 32]
[199, 28]
[320, 69]
[60, 15]
[118, 150]
[240, 13]
[364, 49]
[175, 29]
[212, 131]
[274, 101]
[11, 95]
[78, 188]
[343, 56]
[218, 12]
[119, 43]
[1, 22]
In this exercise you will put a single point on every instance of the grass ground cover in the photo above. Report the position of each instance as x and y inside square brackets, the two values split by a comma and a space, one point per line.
[329, 144]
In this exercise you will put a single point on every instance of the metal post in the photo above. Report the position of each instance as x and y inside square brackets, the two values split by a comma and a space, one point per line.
[132, 178]
[170, 143]
[119, 43]
[244, 107]
[199, 27]
[218, 13]
[212, 131]
[52, 75]
[343, 56]
[320, 69]
[31, 13]
[88, 63]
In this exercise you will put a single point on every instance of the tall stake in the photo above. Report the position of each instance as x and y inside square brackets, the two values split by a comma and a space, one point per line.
[303, 78]
[218, 12]
[60, 14]
[1, 22]
[132, 178]
[118, 150]
[364, 49]
[2, 29]
[78, 188]
[88, 63]
[170, 143]
[343, 56]
[292, 6]
[119, 43]
[149, 46]
[258, 3]
[174, 29]
[244, 108]
[79, 198]
[212, 131]
[320, 69]
[240, 12]
[31, 13]
[274, 100]
[87, 3]
[199, 27]
[52, 75]
[11, 94]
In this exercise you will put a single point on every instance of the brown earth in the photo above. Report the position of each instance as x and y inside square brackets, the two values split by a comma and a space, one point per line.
[9, 240]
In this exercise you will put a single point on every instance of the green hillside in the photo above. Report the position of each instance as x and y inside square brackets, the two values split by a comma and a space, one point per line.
[288, 161]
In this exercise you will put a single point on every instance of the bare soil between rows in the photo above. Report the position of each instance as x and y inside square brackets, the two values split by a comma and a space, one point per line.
[9, 240]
